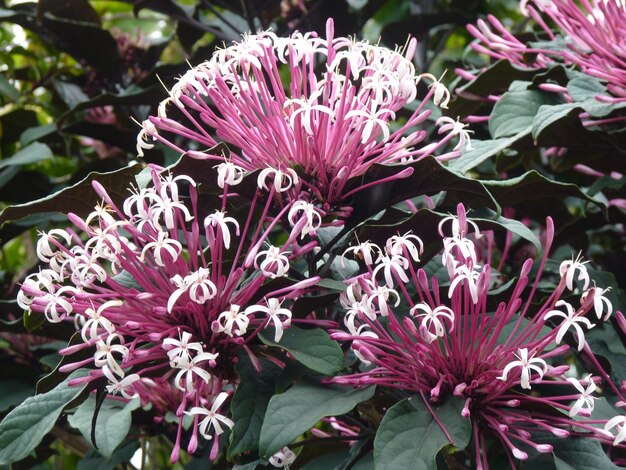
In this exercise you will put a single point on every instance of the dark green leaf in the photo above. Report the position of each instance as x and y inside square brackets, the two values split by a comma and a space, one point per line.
[79, 198]
[32, 154]
[13, 392]
[35, 133]
[429, 177]
[94, 461]
[24, 427]
[298, 409]
[409, 437]
[249, 404]
[313, 348]
[532, 186]
[8, 90]
[111, 426]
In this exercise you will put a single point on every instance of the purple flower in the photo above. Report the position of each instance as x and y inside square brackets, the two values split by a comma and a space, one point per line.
[436, 346]
[309, 134]
[168, 293]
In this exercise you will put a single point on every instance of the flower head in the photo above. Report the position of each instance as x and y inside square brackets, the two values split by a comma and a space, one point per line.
[313, 134]
[167, 288]
[465, 346]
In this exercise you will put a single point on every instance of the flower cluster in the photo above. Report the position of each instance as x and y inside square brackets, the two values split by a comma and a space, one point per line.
[167, 293]
[409, 334]
[332, 121]
[592, 30]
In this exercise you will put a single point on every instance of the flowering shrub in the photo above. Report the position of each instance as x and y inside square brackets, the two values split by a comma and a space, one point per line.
[294, 291]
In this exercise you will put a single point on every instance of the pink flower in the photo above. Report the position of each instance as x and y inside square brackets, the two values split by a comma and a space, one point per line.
[313, 134]
[466, 347]
[165, 287]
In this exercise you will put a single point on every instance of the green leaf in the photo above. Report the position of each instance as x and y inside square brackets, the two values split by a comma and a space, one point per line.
[428, 177]
[8, 90]
[532, 186]
[547, 115]
[515, 111]
[249, 404]
[409, 437]
[79, 198]
[112, 424]
[13, 392]
[313, 348]
[23, 428]
[298, 409]
[483, 150]
[32, 154]
[94, 461]
[492, 221]
[35, 133]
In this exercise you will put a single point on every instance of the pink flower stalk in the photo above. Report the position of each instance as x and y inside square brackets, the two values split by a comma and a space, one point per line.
[166, 294]
[592, 29]
[320, 110]
[595, 35]
[408, 336]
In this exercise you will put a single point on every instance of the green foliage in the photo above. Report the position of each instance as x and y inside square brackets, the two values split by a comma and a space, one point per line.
[409, 437]
[22, 429]
[296, 410]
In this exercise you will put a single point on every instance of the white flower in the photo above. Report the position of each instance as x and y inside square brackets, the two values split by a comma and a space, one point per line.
[232, 322]
[189, 369]
[365, 251]
[58, 307]
[306, 107]
[96, 320]
[527, 366]
[229, 174]
[219, 220]
[197, 284]
[307, 210]
[181, 349]
[120, 386]
[599, 301]
[568, 269]
[275, 264]
[390, 265]
[431, 320]
[169, 209]
[620, 423]
[455, 128]
[571, 320]
[371, 118]
[441, 94]
[147, 130]
[463, 272]
[212, 419]
[283, 180]
[381, 295]
[280, 317]
[397, 244]
[169, 186]
[104, 353]
[283, 458]
[46, 250]
[163, 244]
[586, 399]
